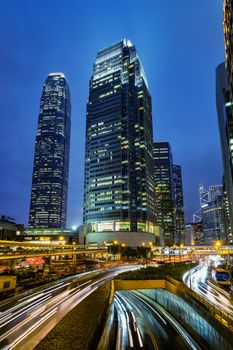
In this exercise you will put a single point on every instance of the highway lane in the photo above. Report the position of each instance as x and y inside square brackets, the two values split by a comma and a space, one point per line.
[25, 297]
[129, 335]
[158, 329]
[197, 280]
[30, 318]
[125, 328]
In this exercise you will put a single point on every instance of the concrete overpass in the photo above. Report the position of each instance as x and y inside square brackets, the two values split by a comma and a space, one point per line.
[192, 251]
[19, 250]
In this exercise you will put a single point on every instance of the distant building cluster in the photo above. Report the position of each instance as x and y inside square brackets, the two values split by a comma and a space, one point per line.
[209, 220]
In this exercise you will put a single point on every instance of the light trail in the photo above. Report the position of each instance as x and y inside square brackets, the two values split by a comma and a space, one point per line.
[37, 324]
[207, 290]
[48, 306]
[160, 310]
[154, 311]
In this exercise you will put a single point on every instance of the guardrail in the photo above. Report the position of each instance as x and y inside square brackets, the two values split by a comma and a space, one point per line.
[221, 315]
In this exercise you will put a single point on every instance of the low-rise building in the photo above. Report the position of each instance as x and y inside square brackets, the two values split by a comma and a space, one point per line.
[9, 230]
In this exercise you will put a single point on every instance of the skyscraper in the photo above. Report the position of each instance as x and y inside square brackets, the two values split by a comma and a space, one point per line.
[118, 186]
[212, 215]
[179, 204]
[51, 160]
[225, 123]
[228, 33]
[169, 202]
[164, 191]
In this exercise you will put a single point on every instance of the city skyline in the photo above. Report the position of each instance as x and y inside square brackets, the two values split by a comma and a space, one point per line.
[164, 126]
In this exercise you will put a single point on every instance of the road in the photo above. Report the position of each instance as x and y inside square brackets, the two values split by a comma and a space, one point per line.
[197, 280]
[25, 320]
[142, 324]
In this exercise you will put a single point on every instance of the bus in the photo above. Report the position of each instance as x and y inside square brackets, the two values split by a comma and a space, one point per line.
[221, 276]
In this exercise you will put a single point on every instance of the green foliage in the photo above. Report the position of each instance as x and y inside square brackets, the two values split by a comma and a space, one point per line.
[114, 249]
[128, 252]
[175, 270]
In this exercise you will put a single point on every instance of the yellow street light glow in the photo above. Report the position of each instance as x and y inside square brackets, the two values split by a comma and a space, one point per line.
[115, 242]
[61, 238]
[123, 244]
[143, 243]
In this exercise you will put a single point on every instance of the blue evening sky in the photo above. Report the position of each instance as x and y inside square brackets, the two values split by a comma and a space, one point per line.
[180, 43]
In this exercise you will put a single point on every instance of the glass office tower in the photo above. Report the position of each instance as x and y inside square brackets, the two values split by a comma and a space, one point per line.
[51, 160]
[228, 34]
[164, 191]
[119, 179]
[212, 213]
[225, 123]
[179, 204]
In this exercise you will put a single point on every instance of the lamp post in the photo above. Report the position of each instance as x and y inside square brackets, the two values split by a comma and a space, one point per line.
[190, 282]
[217, 244]
[180, 246]
[121, 246]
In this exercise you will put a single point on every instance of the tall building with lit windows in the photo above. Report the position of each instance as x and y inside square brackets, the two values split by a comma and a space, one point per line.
[211, 214]
[179, 204]
[225, 123]
[224, 94]
[119, 175]
[51, 160]
[228, 34]
[164, 191]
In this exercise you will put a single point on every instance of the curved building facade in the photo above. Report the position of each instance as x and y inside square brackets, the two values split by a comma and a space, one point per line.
[51, 160]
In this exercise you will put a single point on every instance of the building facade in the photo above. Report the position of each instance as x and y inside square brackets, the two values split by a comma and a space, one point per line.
[48, 205]
[49, 235]
[179, 204]
[228, 34]
[9, 230]
[119, 177]
[194, 234]
[225, 123]
[226, 214]
[164, 191]
[212, 214]
[169, 202]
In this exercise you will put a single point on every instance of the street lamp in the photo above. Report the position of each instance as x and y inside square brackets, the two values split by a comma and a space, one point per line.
[217, 244]
[190, 282]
